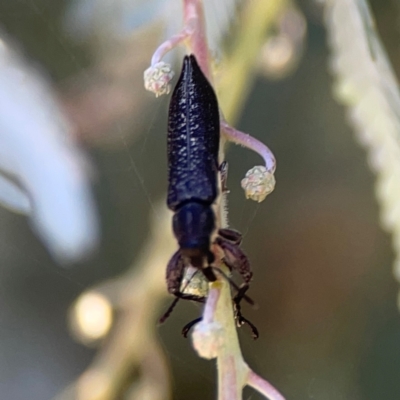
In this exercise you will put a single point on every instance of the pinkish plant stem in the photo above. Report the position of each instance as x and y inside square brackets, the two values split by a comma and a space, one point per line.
[194, 32]
[215, 336]
[211, 304]
[168, 45]
[232, 370]
[194, 20]
[262, 386]
[244, 139]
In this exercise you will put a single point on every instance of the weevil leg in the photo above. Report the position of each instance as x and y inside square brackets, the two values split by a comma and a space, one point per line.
[189, 326]
[208, 270]
[231, 235]
[167, 313]
[241, 293]
[235, 259]
[209, 274]
[223, 170]
[235, 286]
[175, 270]
[174, 276]
[240, 320]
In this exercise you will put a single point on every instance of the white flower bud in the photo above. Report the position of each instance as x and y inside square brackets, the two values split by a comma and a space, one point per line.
[258, 183]
[157, 78]
[207, 338]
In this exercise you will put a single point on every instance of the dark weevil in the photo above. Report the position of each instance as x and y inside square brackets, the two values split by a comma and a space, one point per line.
[194, 185]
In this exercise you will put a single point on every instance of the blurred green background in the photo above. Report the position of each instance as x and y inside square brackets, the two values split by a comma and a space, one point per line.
[328, 320]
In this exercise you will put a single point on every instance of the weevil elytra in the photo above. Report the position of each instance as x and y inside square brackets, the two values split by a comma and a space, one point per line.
[194, 184]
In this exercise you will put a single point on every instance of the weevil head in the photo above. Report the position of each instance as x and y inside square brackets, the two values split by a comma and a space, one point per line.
[193, 225]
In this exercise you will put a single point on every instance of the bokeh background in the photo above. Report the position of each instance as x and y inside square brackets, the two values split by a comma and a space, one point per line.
[328, 317]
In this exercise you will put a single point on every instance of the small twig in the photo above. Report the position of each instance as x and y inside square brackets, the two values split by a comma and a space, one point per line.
[259, 181]
[194, 18]
[168, 45]
[245, 140]
[137, 295]
[215, 336]
[262, 386]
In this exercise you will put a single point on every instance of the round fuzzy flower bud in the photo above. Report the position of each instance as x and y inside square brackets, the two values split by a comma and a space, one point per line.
[258, 183]
[207, 337]
[157, 78]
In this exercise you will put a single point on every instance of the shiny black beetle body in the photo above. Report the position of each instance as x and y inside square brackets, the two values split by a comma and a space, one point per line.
[194, 182]
[193, 146]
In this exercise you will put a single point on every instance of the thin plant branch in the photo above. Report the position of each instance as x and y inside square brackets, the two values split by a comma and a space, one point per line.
[215, 336]
[136, 296]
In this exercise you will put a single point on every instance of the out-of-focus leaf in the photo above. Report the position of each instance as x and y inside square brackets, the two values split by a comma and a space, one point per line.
[366, 84]
[13, 197]
[123, 17]
[37, 150]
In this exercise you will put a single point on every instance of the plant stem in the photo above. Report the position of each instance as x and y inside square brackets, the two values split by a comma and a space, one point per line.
[232, 370]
